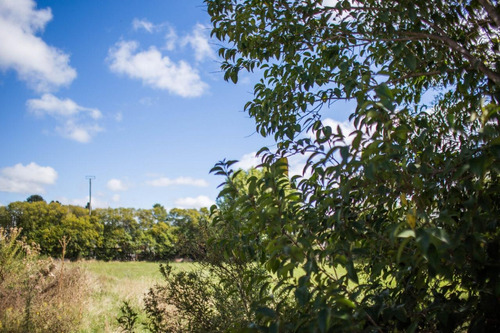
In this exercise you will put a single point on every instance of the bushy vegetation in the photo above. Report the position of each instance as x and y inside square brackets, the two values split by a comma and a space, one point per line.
[37, 295]
[110, 284]
[407, 202]
[217, 297]
[109, 234]
[391, 227]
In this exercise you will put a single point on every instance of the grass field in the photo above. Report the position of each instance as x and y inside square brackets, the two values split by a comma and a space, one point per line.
[113, 282]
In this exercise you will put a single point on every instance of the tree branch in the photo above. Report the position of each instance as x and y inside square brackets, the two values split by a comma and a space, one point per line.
[491, 10]
[443, 37]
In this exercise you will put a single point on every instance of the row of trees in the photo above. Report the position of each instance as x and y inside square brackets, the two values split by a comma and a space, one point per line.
[111, 233]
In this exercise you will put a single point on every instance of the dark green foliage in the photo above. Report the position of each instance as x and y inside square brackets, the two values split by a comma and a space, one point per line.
[34, 198]
[216, 297]
[128, 318]
[191, 231]
[396, 223]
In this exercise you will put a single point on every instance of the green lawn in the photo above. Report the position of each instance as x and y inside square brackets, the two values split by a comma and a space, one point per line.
[113, 282]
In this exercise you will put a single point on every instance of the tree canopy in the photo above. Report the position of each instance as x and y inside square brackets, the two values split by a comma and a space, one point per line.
[395, 224]
[110, 233]
[34, 198]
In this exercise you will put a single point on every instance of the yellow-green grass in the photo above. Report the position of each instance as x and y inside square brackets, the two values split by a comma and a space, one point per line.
[113, 282]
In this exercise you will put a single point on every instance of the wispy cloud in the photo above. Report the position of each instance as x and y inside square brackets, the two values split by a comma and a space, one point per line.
[82, 133]
[75, 122]
[197, 202]
[31, 178]
[51, 105]
[43, 67]
[248, 161]
[139, 24]
[188, 181]
[116, 185]
[199, 42]
[118, 117]
[170, 39]
[155, 70]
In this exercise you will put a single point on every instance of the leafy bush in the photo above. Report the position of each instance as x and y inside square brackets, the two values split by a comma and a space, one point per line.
[216, 297]
[128, 318]
[404, 197]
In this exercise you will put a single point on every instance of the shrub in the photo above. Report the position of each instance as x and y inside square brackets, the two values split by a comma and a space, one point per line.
[216, 297]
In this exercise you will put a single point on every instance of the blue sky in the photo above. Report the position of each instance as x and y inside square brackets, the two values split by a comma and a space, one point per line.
[128, 91]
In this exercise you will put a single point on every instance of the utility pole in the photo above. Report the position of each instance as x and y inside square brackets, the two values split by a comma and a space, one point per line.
[90, 192]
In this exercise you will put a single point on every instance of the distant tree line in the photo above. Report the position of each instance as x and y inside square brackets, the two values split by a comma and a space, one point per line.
[110, 233]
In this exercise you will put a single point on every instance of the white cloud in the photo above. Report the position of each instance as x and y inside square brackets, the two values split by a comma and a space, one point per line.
[115, 198]
[78, 132]
[339, 16]
[42, 66]
[31, 178]
[248, 161]
[75, 122]
[138, 24]
[198, 202]
[53, 106]
[170, 39]
[116, 185]
[296, 165]
[164, 181]
[330, 3]
[199, 41]
[346, 127]
[155, 70]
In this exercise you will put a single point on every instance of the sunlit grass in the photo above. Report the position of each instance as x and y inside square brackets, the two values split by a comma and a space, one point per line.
[113, 282]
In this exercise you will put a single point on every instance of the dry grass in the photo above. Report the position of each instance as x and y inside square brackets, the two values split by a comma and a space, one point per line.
[45, 295]
[37, 295]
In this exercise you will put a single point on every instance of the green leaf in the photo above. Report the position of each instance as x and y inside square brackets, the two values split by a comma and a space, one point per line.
[346, 302]
[383, 92]
[344, 153]
[266, 312]
[302, 295]
[406, 234]
[410, 61]
[401, 249]
[351, 271]
[324, 320]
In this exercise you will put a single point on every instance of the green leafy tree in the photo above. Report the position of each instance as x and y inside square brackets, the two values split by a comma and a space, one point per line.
[163, 240]
[34, 198]
[119, 233]
[159, 213]
[191, 231]
[396, 223]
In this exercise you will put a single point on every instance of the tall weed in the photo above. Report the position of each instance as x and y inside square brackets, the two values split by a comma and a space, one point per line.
[38, 295]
